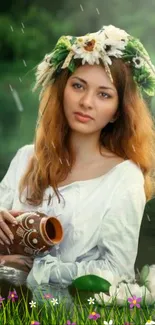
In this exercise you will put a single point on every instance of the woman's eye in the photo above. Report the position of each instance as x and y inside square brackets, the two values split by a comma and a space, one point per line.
[76, 84]
[106, 95]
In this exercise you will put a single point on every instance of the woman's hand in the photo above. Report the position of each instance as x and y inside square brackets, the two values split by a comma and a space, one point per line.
[20, 262]
[6, 235]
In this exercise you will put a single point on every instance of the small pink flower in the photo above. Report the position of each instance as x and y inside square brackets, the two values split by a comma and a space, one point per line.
[69, 323]
[133, 301]
[94, 315]
[48, 296]
[1, 299]
[12, 295]
[34, 322]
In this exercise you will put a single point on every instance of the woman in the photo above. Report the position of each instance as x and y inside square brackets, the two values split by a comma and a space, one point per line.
[100, 165]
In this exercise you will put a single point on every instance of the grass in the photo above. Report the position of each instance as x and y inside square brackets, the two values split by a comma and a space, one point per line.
[46, 312]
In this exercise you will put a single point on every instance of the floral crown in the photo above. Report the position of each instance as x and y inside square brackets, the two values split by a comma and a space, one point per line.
[103, 45]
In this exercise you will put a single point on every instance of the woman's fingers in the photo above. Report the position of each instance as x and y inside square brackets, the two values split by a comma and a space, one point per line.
[2, 259]
[6, 216]
[16, 261]
[27, 259]
[28, 264]
[4, 238]
[1, 242]
[15, 213]
[5, 234]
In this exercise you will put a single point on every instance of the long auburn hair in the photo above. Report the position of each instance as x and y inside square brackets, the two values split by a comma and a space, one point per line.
[131, 136]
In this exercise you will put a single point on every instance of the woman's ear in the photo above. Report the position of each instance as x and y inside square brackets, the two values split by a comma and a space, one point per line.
[115, 117]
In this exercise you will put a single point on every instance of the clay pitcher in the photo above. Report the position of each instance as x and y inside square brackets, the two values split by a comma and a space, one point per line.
[34, 234]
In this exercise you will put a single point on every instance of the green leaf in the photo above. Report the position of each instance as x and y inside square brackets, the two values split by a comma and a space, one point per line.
[144, 274]
[86, 286]
[72, 66]
[91, 282]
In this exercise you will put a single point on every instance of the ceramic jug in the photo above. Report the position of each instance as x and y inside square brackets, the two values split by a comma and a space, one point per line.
[34, 234]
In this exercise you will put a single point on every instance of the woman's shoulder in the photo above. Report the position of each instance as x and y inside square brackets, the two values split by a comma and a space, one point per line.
[128, 171]
[27, 148]
[130, 176]
[25, 152]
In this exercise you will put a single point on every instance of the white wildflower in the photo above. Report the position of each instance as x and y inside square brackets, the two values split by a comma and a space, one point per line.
[110, 323]
[114, 48]
[32, 304]
[138, 62]
[115, 33]
[54, 301]
[91, 300]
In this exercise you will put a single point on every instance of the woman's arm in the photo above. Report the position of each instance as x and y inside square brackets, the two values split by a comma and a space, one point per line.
[20, 262]
[117, 243]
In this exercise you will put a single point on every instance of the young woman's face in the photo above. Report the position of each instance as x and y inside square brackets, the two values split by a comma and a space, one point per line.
[90, 92]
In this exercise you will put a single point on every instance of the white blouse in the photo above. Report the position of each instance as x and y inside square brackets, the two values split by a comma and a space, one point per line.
[101, 220]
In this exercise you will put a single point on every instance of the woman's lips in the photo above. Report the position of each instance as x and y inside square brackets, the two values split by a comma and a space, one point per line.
[82, 118]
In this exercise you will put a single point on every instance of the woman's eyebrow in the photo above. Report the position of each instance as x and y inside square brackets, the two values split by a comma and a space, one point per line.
[101, 87]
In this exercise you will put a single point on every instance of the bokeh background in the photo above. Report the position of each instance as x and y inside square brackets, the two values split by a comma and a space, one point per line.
[28, 30]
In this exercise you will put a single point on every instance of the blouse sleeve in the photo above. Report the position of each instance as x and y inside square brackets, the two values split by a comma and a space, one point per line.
[8, 184]
[119, 233]
[117, 243]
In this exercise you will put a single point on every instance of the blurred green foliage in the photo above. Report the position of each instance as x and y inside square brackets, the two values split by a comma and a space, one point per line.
[16, 126]
[30, 36]
[24, 40]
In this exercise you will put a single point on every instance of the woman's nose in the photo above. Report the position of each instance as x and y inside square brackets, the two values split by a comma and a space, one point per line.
[87, 100]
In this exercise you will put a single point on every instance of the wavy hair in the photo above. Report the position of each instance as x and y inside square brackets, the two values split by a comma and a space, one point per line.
[131, 136]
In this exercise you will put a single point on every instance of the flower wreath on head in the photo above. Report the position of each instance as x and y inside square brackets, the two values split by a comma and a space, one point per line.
[103, 45]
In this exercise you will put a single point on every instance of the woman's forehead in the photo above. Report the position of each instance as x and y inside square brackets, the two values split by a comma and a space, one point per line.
[93, 74]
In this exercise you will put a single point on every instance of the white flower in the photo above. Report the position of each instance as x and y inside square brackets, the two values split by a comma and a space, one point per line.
[115, 47]
[138, 62]
[102, 297]
[54, 301]
[115, 33]
[150, 280]
[114, 40]
[105, 57]
[123, 292]
[91, 300]
[110, 323]
[149, 322]
[88, 48]
[91, 47]
[110, 277]
[32, 304]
